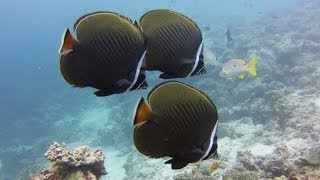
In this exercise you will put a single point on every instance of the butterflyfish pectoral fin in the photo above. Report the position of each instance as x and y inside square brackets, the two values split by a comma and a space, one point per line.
[166, 76]
[176, 163]
[67, 41]
[101, 93]
[142, 112]
[122, 85]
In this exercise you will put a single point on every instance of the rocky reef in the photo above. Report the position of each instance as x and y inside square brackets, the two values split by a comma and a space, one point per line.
[268, 124]
[74, 164]
[241, 175]
[283, 97]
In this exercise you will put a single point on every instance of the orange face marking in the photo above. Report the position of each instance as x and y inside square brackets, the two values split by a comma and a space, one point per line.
[67, 41]
[142, 112]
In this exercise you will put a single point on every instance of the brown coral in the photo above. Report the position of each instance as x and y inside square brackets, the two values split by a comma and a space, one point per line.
[78, 163]
[241, 175]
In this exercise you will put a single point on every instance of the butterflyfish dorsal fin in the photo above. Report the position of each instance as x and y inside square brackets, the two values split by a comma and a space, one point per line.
[137, 25]
[134, 22]
[142, 112]
[66, 42]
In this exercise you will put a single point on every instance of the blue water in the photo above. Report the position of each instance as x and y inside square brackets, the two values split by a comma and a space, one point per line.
[34, 96]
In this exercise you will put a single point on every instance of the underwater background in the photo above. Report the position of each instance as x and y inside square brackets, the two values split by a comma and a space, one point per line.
[269, 125]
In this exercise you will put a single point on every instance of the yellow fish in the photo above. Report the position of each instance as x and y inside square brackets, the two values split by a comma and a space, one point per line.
[214, 166]
[238, 68]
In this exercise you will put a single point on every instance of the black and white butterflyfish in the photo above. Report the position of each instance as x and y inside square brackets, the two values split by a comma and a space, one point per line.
[106, 53]
[174, 44]
[177, 121]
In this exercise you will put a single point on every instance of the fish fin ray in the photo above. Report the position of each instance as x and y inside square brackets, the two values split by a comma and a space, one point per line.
[169, 161]
[137, 25]
[242, 61]
[84, 17]
[101, 93]
[166, 76]
[252, 66]
[182, 71]
[177, 163]
[141, 83]
[200, 69]
[119, 87]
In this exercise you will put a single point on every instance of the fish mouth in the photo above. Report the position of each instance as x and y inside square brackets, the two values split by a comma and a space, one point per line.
[222, 74]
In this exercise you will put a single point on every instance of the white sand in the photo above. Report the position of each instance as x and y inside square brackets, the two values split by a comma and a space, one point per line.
[114, 164]
[317, 102]
[94, 118]
[261, 150]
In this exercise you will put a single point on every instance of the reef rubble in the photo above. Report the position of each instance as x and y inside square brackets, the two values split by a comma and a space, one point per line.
[74, 164]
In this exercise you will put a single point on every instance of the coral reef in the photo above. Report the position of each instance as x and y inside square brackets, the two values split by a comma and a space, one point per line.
[193, 175]
[241, 175]
[209, 169]
[246, 160]
[283, 97]
[78, 163]
[285, 161]
[306, 173]
[313, 154]
[277, 164]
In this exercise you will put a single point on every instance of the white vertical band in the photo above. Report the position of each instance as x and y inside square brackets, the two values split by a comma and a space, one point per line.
[211, 141]
[137, 70]
[197, 59]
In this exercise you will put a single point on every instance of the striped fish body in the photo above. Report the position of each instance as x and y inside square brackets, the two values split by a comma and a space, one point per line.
[106, 53]
[181, 124]
[173, 41]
